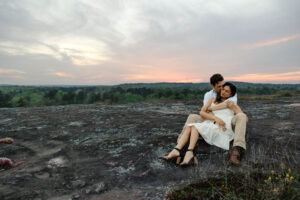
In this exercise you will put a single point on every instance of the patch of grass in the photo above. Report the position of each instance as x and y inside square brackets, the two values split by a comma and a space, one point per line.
[256, 186]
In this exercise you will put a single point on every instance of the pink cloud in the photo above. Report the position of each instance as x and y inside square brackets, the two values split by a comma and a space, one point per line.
[10, 71]
[271, 42]
[196, 80]
[160, 76]
[291, 77]
[61, 74]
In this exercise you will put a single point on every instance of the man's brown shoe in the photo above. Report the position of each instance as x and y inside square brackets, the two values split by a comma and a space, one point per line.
[235, 157]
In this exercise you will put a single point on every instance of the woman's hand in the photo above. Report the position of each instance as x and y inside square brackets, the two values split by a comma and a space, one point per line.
[230, 105]
[209, 110]
[220, 123]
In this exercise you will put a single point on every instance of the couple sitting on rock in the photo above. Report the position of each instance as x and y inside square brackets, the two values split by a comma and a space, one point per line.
[220, 121]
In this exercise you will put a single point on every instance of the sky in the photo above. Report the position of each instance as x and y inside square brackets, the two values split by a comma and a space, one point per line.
[108, 42]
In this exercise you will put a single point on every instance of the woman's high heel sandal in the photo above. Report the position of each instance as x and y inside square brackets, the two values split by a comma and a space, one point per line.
[193, 159]
[177, 159]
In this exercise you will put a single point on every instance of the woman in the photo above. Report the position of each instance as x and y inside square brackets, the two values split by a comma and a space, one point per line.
[215, 130]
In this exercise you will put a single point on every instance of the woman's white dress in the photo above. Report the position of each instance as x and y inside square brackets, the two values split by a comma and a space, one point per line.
[212, 133]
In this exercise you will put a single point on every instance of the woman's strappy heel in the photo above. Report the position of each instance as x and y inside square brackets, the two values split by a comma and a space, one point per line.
[177, 159]
[193, 159]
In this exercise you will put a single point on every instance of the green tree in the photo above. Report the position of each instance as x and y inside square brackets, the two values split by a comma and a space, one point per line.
[21, 102]
[79, 96]
[133, 97]
[68, 97]
[51, 94]
[2, 101]
[59, 97]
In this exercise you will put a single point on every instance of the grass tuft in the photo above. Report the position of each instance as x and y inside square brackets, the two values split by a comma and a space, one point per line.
[256, 186]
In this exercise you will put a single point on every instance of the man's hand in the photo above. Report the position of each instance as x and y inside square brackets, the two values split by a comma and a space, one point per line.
[221, 123]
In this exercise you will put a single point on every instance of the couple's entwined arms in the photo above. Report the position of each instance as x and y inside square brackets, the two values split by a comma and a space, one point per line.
[210, 116]
[227, 104]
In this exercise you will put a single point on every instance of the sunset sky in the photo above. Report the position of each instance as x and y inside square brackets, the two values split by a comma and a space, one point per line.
[105, 42]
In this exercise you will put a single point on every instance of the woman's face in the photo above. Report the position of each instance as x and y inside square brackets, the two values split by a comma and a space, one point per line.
[226, 92]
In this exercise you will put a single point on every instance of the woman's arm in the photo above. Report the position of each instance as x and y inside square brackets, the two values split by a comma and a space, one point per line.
[219, 106]
[203, 111]
[211, 117]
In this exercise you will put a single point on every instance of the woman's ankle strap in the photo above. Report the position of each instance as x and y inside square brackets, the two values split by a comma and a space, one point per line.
[193, 150]
[177, 149]
[180, 152]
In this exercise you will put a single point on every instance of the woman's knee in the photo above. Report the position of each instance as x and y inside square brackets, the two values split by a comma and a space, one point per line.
[194, 129]
[187, 129]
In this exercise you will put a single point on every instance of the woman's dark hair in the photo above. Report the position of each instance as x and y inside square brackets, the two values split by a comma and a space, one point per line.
[232, 89]
[214, 79]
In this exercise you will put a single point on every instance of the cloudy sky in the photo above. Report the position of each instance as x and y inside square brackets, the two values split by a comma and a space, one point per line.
[112, 41]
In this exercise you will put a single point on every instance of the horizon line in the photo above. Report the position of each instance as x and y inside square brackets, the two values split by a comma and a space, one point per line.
[5, 84]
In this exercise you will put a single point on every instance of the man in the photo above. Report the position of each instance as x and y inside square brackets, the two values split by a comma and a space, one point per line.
[238, 121]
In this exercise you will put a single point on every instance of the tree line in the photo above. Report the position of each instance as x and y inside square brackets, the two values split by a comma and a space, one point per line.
[20, 96]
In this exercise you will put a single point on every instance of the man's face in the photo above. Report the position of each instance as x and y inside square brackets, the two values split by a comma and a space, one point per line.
[218, 86]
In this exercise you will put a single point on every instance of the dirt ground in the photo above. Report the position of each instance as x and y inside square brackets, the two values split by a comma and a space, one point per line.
[112, 151]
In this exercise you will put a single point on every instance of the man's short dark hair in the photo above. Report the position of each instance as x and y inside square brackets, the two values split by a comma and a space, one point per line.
[214, 79]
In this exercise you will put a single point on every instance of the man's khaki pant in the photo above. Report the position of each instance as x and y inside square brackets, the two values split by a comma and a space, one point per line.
[238, 123]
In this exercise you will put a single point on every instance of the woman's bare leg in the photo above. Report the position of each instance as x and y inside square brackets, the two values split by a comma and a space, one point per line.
[193, 141]
[185, 137]
[182, 141]
[194, 138]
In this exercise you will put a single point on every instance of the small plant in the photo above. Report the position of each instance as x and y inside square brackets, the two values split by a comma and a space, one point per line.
[257, 185]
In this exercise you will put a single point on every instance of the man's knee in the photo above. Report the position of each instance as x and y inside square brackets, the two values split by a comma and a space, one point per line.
[193, 118]
[241, 116]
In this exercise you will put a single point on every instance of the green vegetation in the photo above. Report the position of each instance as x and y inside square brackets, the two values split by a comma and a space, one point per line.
[31, 96]
[256, 186]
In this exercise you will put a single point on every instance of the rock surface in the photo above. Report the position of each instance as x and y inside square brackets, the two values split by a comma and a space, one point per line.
[112, 151]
